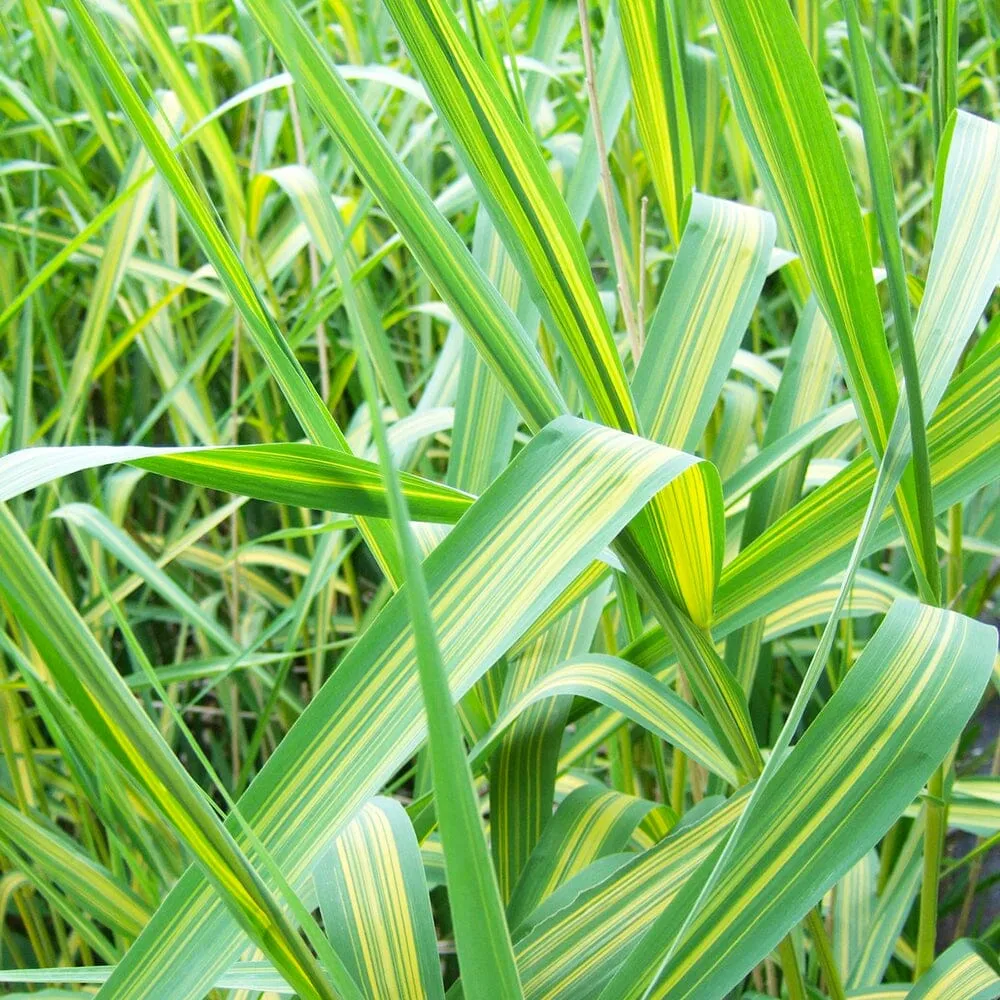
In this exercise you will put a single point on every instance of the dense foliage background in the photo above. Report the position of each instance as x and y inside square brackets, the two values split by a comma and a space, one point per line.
[343, 228]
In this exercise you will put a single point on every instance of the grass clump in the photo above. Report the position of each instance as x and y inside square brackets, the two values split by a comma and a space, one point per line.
[499, 498]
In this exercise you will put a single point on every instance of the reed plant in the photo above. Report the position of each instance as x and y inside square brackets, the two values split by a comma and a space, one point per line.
[499, 499]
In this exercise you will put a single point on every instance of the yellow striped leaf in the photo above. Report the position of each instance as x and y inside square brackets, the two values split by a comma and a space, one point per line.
[617, 684]
[968, 970]
[367, 721]
[964, 441]
[523, 767]
[511, 176]
[590, 823]
[790, 129]
[301, 475]
[854, 770]
[853, 905]
[701, 317]
[661, 111]
[373, 897]
[571, 952]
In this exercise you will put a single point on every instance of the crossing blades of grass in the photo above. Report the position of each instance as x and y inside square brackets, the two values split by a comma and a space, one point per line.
[361, 634]
[571, 472]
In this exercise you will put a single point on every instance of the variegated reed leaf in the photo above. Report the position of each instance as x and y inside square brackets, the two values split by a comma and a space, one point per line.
[831, 799]
[521, 806]
[632, 692]
[967, 970]
[439, 249]
[787, 122]
[701, 317]
[572, 472]
[84, 673]
[570, 951]
[373, 897]
[299, 392]
[661, 109]
[590, 823]
[513, 180]
[302, 475]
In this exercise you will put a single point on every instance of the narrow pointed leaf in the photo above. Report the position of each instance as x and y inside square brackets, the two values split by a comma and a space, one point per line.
[572, 472]
[968, 970]
[661, 109]
[834, 796]
[513, 180]
[300, 475]
[618, 685]
[693, 335]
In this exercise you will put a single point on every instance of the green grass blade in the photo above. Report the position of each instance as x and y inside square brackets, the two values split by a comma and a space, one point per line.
[154, 33]
[326, 229]
[833, 797]
[658, 98]
[870, 595]
[118, 248]
[967, 970]
[440, 251]
[96, 891]
[373, 897]
[512, 178]
[300, 475]
[616, 684]
[572, 472]
[96, 524]
[693, 336]
[298, 390]
[787, 122]
[97, 691]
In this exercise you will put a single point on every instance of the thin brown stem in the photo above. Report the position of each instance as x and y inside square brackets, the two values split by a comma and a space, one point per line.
[644, 208]
[607, 190]
[313, 257]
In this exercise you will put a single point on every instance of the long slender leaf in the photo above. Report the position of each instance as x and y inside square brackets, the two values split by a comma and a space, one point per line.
[693, 336]
[373, 895]
[561, 475]
[661, 109]
[823, 808]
